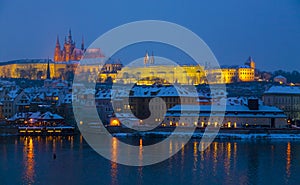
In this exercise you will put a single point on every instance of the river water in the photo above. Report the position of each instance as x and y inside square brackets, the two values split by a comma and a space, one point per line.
[30, 160]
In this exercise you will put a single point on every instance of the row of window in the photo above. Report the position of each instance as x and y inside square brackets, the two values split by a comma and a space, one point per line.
[279, 100]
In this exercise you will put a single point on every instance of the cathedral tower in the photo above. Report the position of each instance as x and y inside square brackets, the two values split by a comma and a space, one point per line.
[69, 51]
[57, 52]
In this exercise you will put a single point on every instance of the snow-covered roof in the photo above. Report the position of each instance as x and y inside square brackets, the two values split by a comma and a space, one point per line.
[13, 94]
[119, 93]
[35, 115]
[161, 91]
[229, 67]
[49, 116]
[244, 66]
[17, 116]
[228, 108]
[283, 90]
[230, 111]
[103, 94]
[30, 90]
[40, 96]
[60, 85]
[279, 76]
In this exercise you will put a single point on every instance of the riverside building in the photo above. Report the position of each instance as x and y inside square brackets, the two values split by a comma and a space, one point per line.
[235, 116]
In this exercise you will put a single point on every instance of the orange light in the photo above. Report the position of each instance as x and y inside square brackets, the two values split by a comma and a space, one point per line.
[114, 122]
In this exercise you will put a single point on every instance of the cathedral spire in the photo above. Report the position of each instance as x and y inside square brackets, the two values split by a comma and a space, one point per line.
[48, 70]
[82, 44]
[152, 59]
[250, 62]
[70, 36]
[57, 51]
[250, 59]
[146, 58]
[57, 42]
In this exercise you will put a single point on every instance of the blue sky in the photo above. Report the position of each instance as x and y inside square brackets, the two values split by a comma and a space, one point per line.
[268, 30]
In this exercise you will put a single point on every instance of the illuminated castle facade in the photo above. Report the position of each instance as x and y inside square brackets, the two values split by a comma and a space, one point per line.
[231, 74]
[150, 73]
[97, 67]
[145, 74]
[69, 51]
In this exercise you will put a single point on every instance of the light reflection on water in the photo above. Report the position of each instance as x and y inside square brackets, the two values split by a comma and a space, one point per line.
[224, 162]
[29, 162]
[114, 166]
[288, 160]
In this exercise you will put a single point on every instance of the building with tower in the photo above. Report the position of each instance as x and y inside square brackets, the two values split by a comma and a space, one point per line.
[68, 52]
[250, 62]
[231, 74]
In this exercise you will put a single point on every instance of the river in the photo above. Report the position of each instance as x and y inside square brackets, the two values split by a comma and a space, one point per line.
[70, 160]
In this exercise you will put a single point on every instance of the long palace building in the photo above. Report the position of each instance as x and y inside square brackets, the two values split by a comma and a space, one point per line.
[66, 59]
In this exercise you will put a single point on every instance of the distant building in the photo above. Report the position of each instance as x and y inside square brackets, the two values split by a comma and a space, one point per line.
[280, 79]
[245, 74]
[231, 74]
[110, 70]
[286, 98]
[15, 101]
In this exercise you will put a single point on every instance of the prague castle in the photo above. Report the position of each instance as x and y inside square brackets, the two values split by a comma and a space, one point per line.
[66, 59]
[150, 73]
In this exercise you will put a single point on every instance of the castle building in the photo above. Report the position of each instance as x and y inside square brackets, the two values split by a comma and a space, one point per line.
[69, 51]
[97, 67]
[231, 74]
[245, 73]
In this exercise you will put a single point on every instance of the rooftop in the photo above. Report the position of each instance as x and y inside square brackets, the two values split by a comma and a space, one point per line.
[283, 90]
[228, 108]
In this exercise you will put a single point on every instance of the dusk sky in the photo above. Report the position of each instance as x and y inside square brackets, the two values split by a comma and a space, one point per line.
[269, 30]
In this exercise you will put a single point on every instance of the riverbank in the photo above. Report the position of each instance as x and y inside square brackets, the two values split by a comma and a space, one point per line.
[163, 132]
[219, 136]
[224, 133]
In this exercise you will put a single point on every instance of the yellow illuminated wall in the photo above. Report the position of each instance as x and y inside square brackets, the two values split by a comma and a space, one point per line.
[246, 74]
[146, 75]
